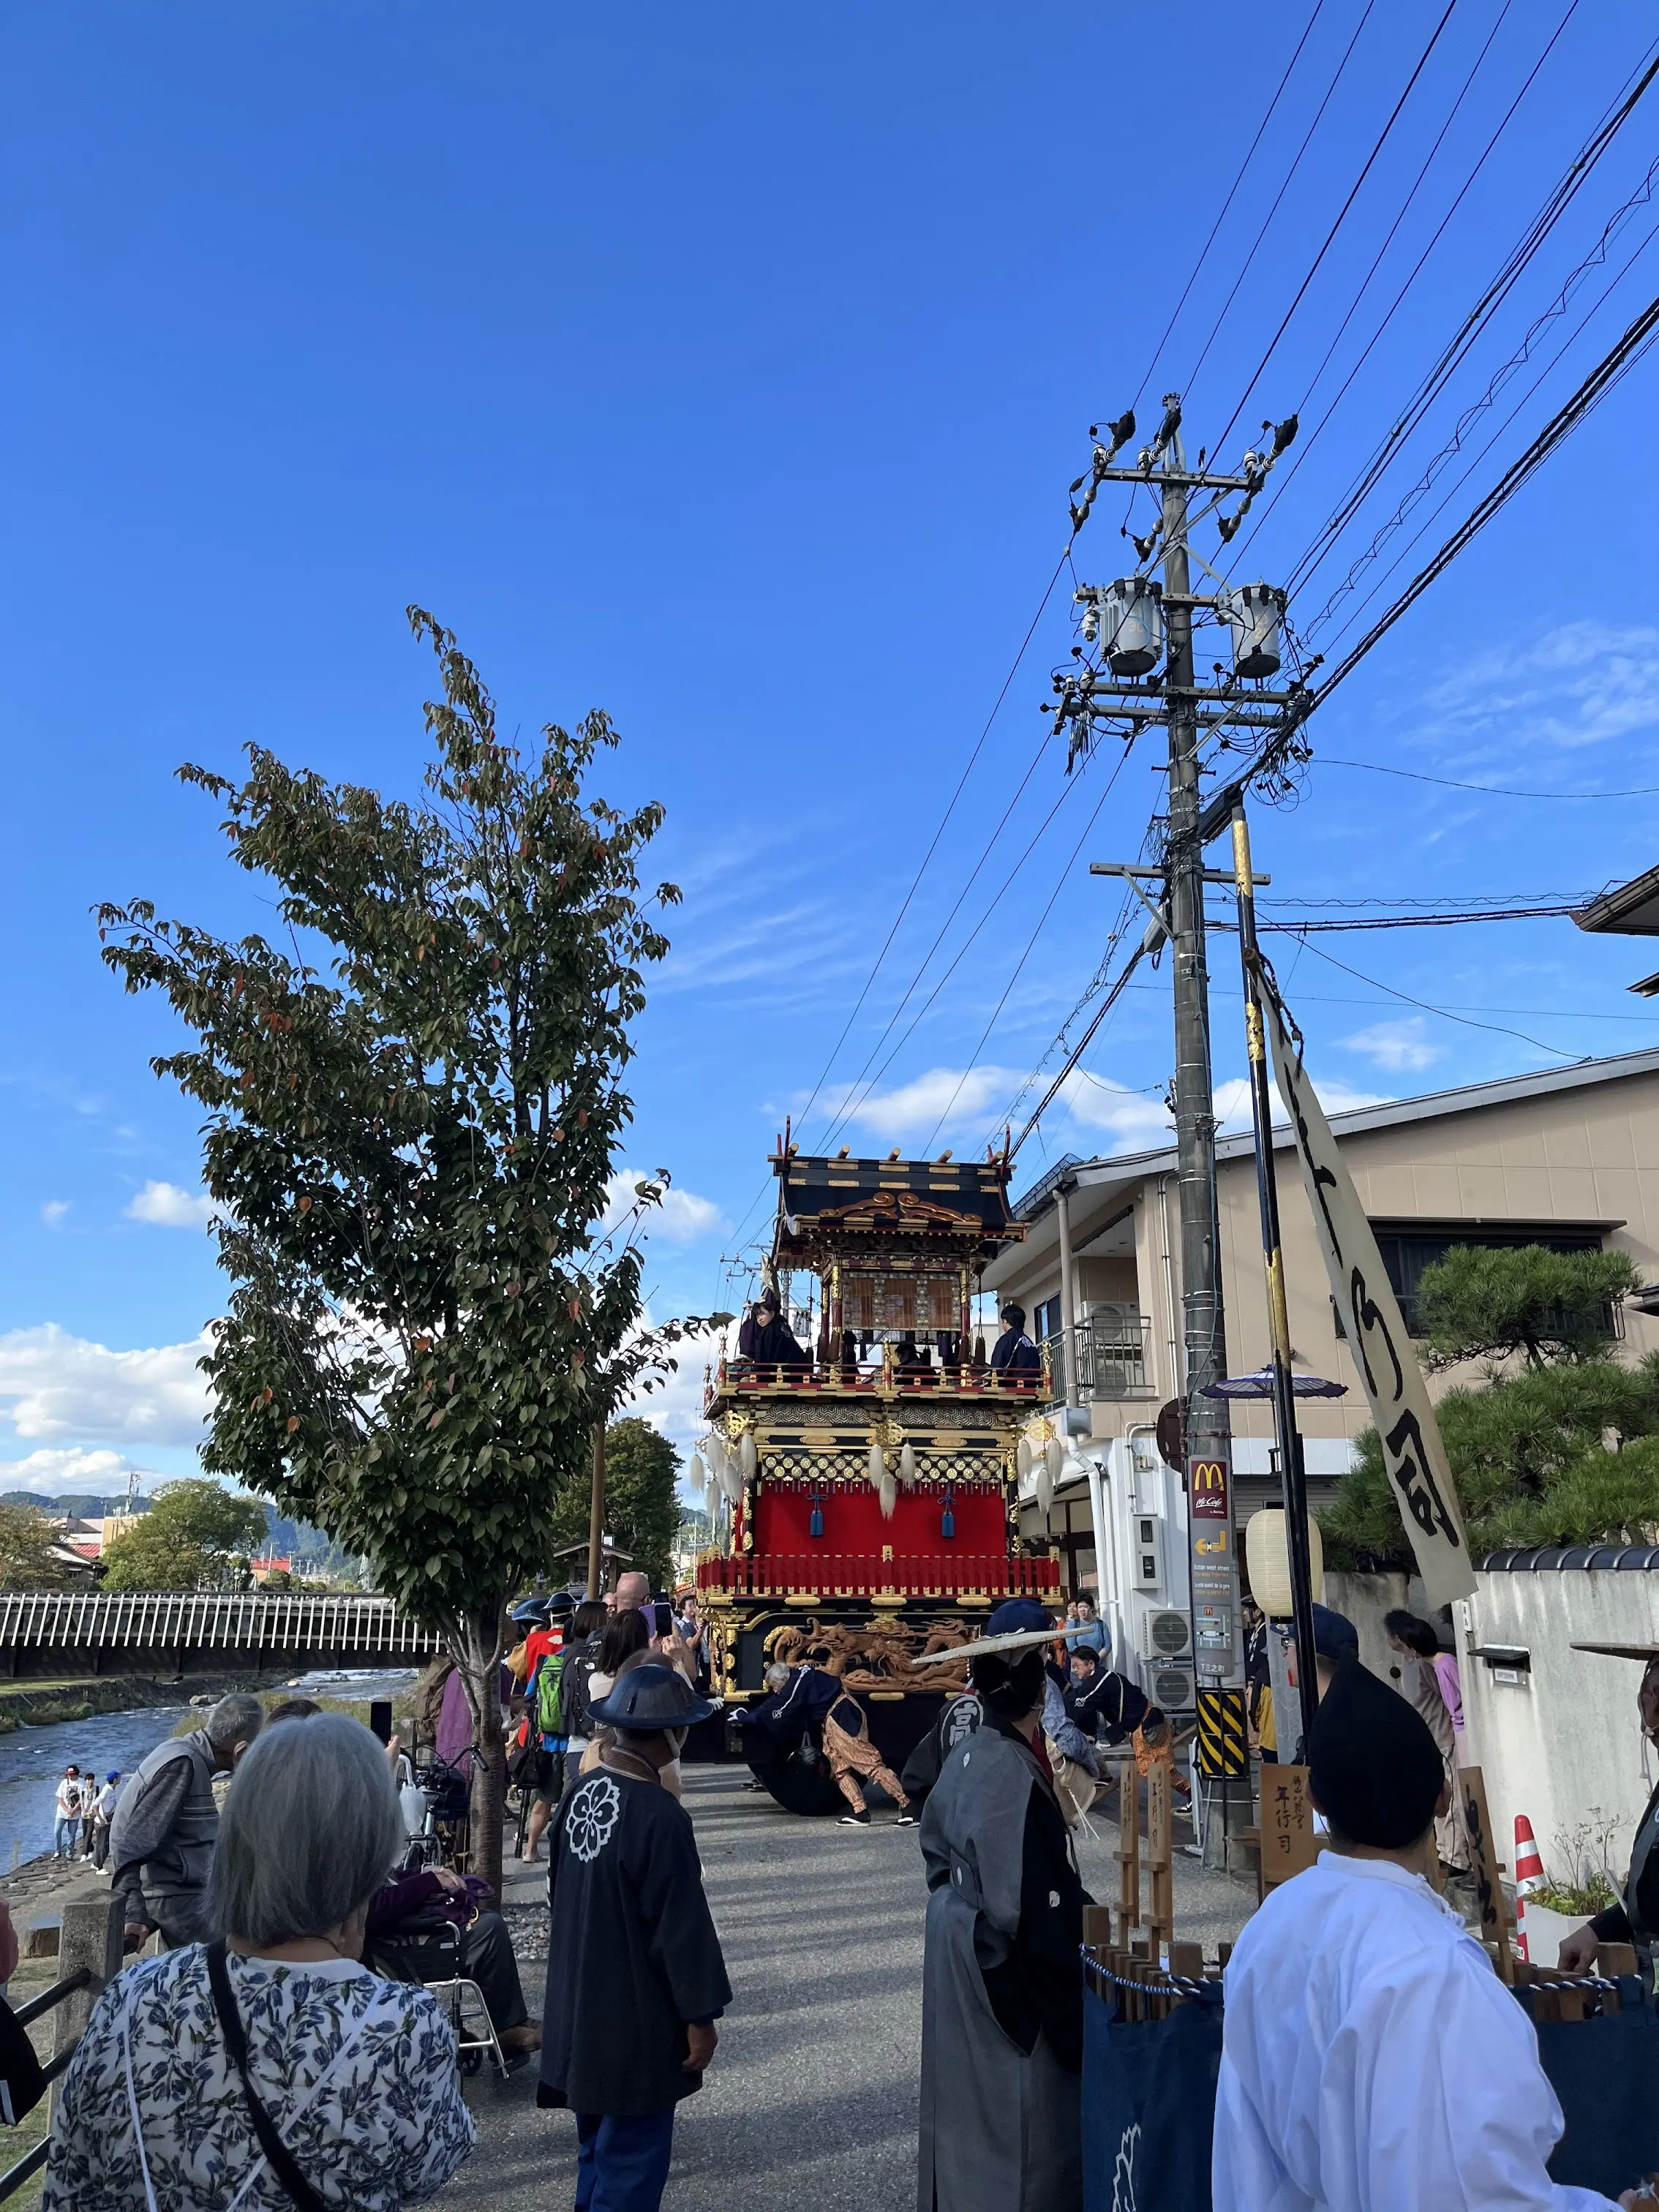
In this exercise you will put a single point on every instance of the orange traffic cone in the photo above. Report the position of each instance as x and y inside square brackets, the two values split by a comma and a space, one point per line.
[1520, 1950]
[1529, 1867]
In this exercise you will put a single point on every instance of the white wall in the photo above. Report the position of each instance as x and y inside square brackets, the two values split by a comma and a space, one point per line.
[1566, 1746]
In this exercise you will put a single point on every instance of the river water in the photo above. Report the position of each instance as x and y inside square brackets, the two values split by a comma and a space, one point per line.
[33, 1759]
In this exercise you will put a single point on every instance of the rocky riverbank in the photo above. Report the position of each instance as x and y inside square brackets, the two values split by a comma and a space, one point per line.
[38, 1705]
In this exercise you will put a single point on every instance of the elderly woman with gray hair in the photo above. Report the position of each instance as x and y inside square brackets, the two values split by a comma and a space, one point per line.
[269, 2067]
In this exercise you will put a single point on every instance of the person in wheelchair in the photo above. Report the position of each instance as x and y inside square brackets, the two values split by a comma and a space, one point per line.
[410, 1919]
[436, 1918]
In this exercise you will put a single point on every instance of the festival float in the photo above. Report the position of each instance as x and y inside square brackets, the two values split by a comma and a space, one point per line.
[864, 1495]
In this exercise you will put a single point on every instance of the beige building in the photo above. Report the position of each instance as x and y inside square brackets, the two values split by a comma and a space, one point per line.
[1568, 1158]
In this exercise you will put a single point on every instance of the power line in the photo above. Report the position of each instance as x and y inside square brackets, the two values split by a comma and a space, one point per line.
[852, 1104]
[1083, 1043]
[1232, 194]
[1061, 875]
[1306, 446]
[1342, 216]
[916, 881]
[1301, 927]
[1457, 348]
[1444, 1012]
[1491, 790]
[1596, 258]
[927, 857]
[1608, 373]
[1244, 265]
[1440, 506]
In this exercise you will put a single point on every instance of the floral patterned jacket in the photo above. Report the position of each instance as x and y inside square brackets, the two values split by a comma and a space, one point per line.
[358, 2074]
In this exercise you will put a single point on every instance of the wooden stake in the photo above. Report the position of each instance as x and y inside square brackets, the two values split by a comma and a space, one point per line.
[1160, 1852]
[1128, 1857]
[1471, 1787]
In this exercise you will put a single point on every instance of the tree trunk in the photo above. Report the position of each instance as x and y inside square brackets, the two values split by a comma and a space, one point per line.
[478, 1657]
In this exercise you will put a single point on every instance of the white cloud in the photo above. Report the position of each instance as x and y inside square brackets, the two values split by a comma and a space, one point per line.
[54, 1469]
[1138, 1120]
[1395, 1045]
[53, 1211]
[1232, 1100]
[913, 1109]
[681, 1218]
[164, 1206]
[52, 1385]
[675, 1406]
[1581, 684]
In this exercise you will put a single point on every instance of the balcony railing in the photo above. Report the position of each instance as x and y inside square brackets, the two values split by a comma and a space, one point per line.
[857, 1574]
[1110, 1354]
[881, 1378]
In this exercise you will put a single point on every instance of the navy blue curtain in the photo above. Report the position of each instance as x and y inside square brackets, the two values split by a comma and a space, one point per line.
[1149, 2107]
[1606, 2072]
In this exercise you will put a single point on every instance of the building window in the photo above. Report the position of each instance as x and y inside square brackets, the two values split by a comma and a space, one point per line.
[1408, 1248]
[1045, 1320]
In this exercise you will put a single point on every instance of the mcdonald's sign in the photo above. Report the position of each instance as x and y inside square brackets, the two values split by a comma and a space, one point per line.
[1206, 1489]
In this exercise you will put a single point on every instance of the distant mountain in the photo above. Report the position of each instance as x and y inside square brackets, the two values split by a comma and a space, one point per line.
[81, 1505]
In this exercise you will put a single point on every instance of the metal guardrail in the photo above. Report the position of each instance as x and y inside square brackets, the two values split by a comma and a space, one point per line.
[151, 1620]
[89, 1947]
[1110, 1351]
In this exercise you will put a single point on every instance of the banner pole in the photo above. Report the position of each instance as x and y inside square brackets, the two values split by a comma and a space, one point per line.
[1293, 1474]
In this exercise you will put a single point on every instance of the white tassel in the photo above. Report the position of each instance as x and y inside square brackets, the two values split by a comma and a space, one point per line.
[1054, 1458]
[888, 1493]
[750, 1457]
[908, 1466]
[697, 1473]
[1023, 1457]
[877, 1465]
[711, 1498]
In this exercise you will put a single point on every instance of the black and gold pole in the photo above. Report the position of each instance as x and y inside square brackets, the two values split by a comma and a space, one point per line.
[1292, 1474]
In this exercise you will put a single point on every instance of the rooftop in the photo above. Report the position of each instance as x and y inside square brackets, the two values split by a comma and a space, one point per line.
[1434, 1105]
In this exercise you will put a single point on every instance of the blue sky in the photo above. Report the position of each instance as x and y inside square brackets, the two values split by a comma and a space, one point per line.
[728, 370]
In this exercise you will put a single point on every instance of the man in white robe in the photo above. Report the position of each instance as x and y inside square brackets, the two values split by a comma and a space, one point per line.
[1372, 2060]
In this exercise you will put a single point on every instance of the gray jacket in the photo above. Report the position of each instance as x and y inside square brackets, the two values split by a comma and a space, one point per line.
[162, 1838]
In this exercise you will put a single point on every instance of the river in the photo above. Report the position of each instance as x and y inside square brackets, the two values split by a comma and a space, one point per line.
[33, 1759]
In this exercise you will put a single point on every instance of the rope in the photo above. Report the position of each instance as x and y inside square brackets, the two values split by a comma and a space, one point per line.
[1179, 1985]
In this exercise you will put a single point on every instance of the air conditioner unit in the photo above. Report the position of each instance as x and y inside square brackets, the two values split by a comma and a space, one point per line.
[1148, 1552]
[1165, 1636]
[1170, 1688]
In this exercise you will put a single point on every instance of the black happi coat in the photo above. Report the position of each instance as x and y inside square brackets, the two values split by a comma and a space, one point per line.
[634, 1957]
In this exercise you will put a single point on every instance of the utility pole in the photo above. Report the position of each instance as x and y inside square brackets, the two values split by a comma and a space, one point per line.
[1147, 676]
[1218, 1656]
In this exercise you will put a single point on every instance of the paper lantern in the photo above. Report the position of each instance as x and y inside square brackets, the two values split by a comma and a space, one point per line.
[1268, 1556]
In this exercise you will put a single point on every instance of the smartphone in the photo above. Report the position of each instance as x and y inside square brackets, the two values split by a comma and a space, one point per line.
[379, 1718]
[665, 1615]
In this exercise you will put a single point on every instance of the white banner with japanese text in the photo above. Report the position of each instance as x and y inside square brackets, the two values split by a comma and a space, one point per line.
[1413, 1452]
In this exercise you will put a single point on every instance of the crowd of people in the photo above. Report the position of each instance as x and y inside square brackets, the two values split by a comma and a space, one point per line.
[272, 2055]
[83, 1809]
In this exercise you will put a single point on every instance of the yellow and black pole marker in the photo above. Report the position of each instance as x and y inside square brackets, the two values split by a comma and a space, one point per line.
[1223, 1745]
[1293, 1474]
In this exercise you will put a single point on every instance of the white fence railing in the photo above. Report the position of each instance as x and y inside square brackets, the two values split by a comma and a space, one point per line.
[166, 1620]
